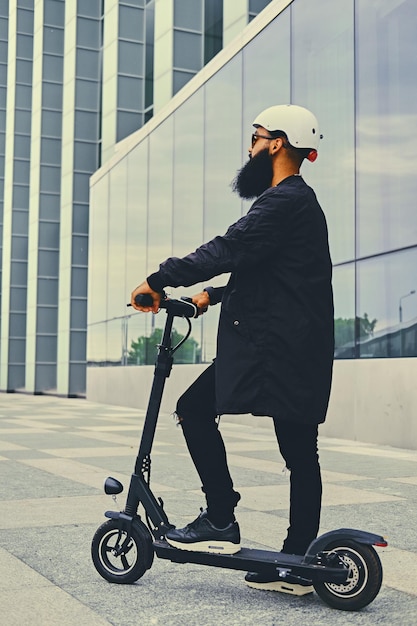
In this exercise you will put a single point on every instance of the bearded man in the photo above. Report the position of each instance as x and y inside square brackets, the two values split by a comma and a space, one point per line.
[275, 338]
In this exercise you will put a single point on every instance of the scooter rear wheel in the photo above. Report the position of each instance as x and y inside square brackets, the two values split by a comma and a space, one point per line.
[119, 556]
[364, 578]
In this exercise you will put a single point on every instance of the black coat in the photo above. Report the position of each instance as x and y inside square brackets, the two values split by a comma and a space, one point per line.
[275, 339]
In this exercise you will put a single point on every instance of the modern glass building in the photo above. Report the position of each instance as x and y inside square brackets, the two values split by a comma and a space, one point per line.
[167, 189]
[76, 78]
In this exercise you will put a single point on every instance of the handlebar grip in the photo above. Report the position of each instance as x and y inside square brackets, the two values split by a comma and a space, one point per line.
[144, 299]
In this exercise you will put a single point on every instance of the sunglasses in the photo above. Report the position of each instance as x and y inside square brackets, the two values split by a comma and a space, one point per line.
[255, 138]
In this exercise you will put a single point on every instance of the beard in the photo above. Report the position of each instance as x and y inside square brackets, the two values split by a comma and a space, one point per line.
[254, 177]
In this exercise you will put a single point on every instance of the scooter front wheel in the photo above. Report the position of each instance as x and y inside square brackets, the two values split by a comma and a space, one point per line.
[364, 577]
[120, 556]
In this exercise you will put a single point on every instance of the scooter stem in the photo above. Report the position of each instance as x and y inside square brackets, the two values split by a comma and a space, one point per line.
[163, 368]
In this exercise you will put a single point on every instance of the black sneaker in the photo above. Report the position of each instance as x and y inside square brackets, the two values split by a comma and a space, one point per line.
[285, 585]
[202, 536]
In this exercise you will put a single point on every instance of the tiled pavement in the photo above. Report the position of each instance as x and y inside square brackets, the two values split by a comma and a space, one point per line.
[54, 455]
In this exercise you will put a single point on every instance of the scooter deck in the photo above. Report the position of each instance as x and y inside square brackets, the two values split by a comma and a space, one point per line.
[261, 561]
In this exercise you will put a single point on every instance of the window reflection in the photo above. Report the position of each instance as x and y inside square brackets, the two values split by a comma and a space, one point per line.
[136, 221]
[98, 258]
[386, 125]
[187, 226]
[344, 311]
[266, 68]
[116, 294]
[322, 79]
[223, 147]
[160, 201]
[387, 305]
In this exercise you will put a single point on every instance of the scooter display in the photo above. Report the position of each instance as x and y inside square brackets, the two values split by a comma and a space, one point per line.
[342, 565]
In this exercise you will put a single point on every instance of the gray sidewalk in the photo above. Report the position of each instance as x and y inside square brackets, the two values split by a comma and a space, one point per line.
[54, 456]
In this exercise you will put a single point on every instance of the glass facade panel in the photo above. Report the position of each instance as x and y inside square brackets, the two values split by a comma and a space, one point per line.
[79, 250]
[160, 196]
[86, 125]
[136, 215]
[180, 79]
[51, 123]
[188, 14]
[256, 6]
[54, 12]
[77, 346]
[21, 196]
[17, 348]
[81, 189]
[53, 40]
[188, 50]
[23, 72]
[223, 147]
[344, 311]
[127, 123]
[17, 325]
[131, 58]
[188, 176]
[92, 8]
[88, 33]
[19, 247]
[45, 376]
[322, 79]
[21, 146]
[52, 95]
[85, 156]
[20, 222]
[116, 295]
[47, 291]
[48, 235]
[4, 29]
[46, 348]
[79, 282]
[18, 274]
[130, 93]
[387, 305]
[24, 46]
[24, 21]
[87, 94]
[50, 178]
[263, 75]
[52, 67]
[48, 263]
[79, 314]
[23, 95]
[49, 206]
[50, 150]
[47, 320]
[18, 298]
[386, 125]
[131, 22]
[88, 64]
[98, 257]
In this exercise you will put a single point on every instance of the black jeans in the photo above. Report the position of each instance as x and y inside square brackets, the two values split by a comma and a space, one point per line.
[196, 411]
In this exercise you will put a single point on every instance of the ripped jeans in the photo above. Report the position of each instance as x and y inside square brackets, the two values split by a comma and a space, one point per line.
[196, 412]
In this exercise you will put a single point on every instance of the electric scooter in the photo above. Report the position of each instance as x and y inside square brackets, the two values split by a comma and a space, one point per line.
[342, 565]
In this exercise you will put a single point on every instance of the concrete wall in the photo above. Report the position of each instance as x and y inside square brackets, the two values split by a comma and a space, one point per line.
[372, 400]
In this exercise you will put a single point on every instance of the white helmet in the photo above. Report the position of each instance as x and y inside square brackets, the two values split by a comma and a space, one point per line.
[298, 123]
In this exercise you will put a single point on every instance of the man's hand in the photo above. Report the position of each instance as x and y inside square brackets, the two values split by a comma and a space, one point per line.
[202, 301]
[144, 288]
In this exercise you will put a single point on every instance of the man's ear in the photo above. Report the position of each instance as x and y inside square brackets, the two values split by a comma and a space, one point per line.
[276, 144]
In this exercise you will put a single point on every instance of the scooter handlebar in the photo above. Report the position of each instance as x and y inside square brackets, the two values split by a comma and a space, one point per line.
[179, 308]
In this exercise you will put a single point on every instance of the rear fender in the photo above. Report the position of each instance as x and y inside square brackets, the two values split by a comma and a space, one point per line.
[342, 534]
